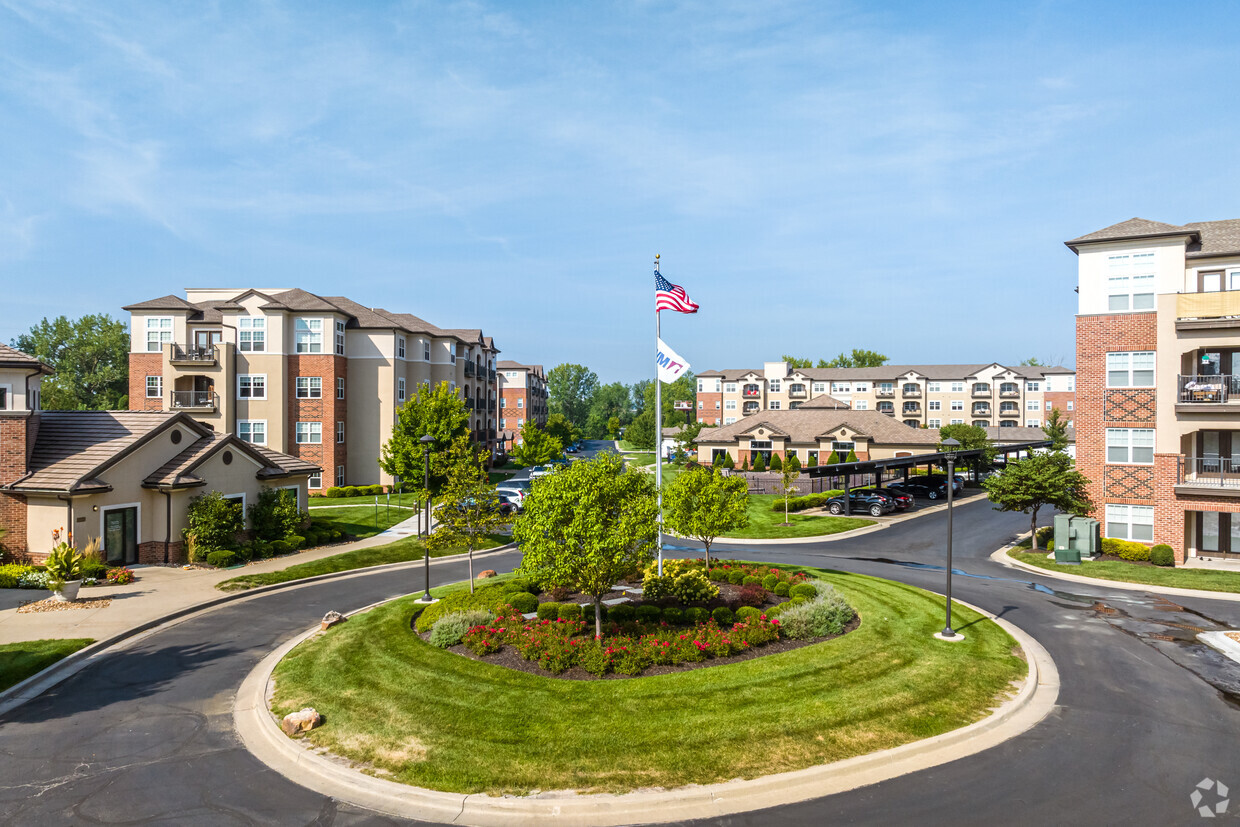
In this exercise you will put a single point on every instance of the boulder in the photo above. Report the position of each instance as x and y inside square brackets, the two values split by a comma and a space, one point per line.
[483, 575]
[331, 619]
[303, 721]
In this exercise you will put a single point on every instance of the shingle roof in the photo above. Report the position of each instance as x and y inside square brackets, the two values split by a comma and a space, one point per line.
[806, 425]
[13, 358]
[886, 372]
[1217, 238]
[1132, 228]
[179, 471]
[824, 401]
[298, 299]
[162, 303]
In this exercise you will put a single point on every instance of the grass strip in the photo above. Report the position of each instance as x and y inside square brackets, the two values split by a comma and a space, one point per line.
[764, 524]
[360, 520]
[19, 661]
[400, 551]
[428, 717]
[408, 499]
[1118, 570]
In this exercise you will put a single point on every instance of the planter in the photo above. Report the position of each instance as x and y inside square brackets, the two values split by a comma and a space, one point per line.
[68, 592]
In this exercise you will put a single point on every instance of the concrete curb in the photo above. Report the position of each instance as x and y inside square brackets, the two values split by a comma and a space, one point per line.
[260, 732]
[1224, 644]
[1001, 557]
[70, 665]
[856, 532]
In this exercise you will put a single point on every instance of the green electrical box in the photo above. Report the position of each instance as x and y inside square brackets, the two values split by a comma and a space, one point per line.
[1076, 538]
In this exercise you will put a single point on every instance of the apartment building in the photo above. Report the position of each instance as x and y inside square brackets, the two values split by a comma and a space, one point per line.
[316, 377]
[522, 397]
[1158, 338]
[929, 396]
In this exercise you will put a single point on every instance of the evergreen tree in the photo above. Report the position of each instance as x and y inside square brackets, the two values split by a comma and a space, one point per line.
[834, 459]
[759, 462]
[728, 462]
[777, 464]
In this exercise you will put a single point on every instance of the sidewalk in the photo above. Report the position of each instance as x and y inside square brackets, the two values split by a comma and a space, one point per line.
[157, 591]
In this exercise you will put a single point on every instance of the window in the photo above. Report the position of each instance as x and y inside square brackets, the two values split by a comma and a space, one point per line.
[730, 387]
[252, 386]
[913, 423]
[775, 386]
[840, 387]
[957, 421]
[309, 387]
[339, 432]
[400, 347]
[6, 392]
[252, 430]
[400, 390]
[426, 350]
[1130, 445]
[820, 387]
[911, 388]
[1069, 404]
[1072, 385]
[861, 405]
[1031, 386]
[759, 445]
[981, 423]
[503, 402]
[340, 338]
[1130, 522]
[1135, 292]
[957, 387]
[932, 423]
[1130, 370]
[252, 334]
[154, 388]
[701, 387]
[315, 480]
[1032, 405]
[728, 420]
[701, 405]
[934, 387]
[716, 404]
[340, 387]
[158, 333]
[934, 405]
[729, 405]
[774, 404]
[887, 387]
[308, 335]
[339, 475]
[520, 401]
[1033, 423]
[520, 422]
[309, 433]
[957, 405]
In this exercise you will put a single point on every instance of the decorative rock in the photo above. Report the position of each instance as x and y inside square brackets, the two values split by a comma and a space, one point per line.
[303, 721]
[483, 575]
[331, 619]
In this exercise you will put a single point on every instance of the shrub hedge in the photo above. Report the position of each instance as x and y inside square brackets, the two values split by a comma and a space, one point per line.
[548, 611]
[1162, 555]
[806, 502]
[523, 602]
[221, 559]
[1126, 549]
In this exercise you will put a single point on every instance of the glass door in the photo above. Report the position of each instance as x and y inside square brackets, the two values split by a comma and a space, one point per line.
[120, 536]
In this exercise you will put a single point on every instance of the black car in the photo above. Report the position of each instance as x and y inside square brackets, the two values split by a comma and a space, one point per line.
[957, 480]
[903, 499]
[863, 500]
[920, 487]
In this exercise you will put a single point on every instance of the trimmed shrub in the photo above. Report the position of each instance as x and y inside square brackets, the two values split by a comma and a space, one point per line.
[523, 602]
[728, 462]
[696, 614]
[221, 559]
[274, 514]
[805, 590]
[673, 616]
[777, 464]
[770, 582]
[520, 584]
[483, 598]
[334, 492]
[295, 541]
[449, 629]
[746, 613]
[593, 658]
[1162, 555]
[745, 465]
[781, 588]
[813, 460]
[751, 596]
[834, 459]
[95, 569]
[622, 613]
[759, 462]
[569, 611]
[826, 614]
[280, 547]
[723, 616]
[693, 587]
[548, 611]
[11, 573]
[806, 502]
[649, 614]
[751, 581]
[655, 587]
[735, 576]
[719, 574]
[1126, 549]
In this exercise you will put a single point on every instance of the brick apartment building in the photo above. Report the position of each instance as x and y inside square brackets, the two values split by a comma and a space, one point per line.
[930, 396]
[317, 377]
[522, 397]
[1158, 336]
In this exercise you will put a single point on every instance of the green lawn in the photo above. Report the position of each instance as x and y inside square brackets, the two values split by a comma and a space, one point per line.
[19, 661]
[638, 460]
[625, 445]
[431, 718]
[407, 498]
[1214, 581]
[361, 520]
[400, 551]
[765, 523]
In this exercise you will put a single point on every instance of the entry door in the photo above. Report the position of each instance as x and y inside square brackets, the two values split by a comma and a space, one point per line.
[1218, 535]
[204, 340]
[120, 535]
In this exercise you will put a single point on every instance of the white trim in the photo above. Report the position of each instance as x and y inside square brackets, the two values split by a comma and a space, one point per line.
[252, 422]
[7, 403]
[251, 377]
[104, 509]
[296, 489]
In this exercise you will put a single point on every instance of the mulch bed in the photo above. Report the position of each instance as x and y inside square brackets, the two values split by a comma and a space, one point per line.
[51, 604]
[509, 658]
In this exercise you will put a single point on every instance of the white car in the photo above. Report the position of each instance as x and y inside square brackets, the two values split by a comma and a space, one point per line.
[541, 471]
[516, 495]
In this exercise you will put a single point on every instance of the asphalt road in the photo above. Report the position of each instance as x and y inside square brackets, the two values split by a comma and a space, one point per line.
[145, 736]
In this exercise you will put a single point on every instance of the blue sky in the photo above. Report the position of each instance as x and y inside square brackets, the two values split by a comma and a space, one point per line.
[819, 176]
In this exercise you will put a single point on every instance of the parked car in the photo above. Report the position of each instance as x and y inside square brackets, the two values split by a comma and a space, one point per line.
[572, 448]
[516, 496]
[903, 499]
[541, 471]
[560, 461]
[921, 487]
[506, 506]
[863, 500]
[957, 480]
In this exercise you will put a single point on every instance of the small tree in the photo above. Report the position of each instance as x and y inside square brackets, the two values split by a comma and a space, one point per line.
[745, 464]
[834, 459]
[537, 446]
[970, 437]
[588, 526]
[275, 515]
[716, 461]
[212, 523]
[685, 439]
[559, 427]
[759, 461]
[613, 427]
[436, 411]
[852, 456]
[1056, 430]
[777, 464]
[791, 471]
[470, 507]
[728, 462]
[1043, 479]
[640, 432]
[813, 460]
[703, 504]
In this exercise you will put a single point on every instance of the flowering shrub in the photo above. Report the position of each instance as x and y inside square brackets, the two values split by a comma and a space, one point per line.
[693, 587]
[12, 573]
[825, 614]
[33, 580]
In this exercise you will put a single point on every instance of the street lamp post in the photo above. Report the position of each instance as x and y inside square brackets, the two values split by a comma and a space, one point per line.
[950, 455]
[427, 441]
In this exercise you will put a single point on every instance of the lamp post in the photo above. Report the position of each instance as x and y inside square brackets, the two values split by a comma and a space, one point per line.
[427, 440]
[950, 455]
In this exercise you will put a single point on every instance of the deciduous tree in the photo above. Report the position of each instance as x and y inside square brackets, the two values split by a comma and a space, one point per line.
[559, 427]
[970, 437]
[702, 504]
[640, 432]
[1043, 479]
[90, 356]
[470, 506]
[857, 359]
[570, 391]
[587, 526]
[789, 474]
[536, 446]
[436, 411]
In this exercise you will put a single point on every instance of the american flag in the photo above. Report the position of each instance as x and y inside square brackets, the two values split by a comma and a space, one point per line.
[668, 296]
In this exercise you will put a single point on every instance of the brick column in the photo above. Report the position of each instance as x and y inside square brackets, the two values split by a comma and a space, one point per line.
[13, 452]
[1168, 511]
[142, 365]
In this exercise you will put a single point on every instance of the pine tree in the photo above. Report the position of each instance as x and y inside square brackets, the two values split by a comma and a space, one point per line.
[728, 462]
[777, 464]
[852, 456]
[813, 460]
[759, 462]
[834, 459]
[745, 464]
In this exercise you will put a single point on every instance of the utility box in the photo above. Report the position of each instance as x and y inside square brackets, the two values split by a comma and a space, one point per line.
[1076, 538]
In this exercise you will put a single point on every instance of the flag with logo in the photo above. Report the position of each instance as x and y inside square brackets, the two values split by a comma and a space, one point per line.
[671, 365]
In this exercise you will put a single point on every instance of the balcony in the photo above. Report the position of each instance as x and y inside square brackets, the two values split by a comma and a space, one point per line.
[1200, 393]
[1009, 393]
[888, 411]
[192, 355]
[469, 403]
[195, 401]
[884, 393]
[1010, 412]
[981, 410]
[750, 409]
[1215, 476]
[910, 393]
[469, 370]
[751, 392]
[910, 409]
[797, 392]
[981, 391]
[1207, 310]
[491, 376]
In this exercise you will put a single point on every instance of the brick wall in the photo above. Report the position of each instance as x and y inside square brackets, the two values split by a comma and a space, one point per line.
[152, 553]
[510, 413]
[705, 408]
[1060, 400]
[142, 365]
[1097, 409]
[13, 452]
[326, 410]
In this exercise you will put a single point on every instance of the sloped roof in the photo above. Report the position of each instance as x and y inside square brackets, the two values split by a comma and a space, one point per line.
[178, 472]
[163, 303]
[1132, 228]
[886, 373]
[1216, 238]
[11, 357]
[803, 425]
[1021, 433]
[824, 401]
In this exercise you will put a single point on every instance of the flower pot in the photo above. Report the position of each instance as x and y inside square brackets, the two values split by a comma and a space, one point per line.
[68, 592]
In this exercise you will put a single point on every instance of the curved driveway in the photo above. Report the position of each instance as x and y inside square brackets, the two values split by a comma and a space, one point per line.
[145, 735]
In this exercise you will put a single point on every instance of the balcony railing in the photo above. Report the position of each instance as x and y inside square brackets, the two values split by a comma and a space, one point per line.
[195, 400]
[491, 375]
[193, 355]
[1208, 472]
[750, 410]
[882, 393]
[469, 403]
[469, 369]
[981, 392]
[983, 410]
[1010, 412]
[888, 411]
[1009, 393]
[751, 392]
[912, 409]
[1208, 389]
[797, 393]
[1218, 305]
[910, 392]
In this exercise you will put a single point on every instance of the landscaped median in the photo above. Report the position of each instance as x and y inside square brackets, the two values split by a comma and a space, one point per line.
[424, 716]
[766, 523]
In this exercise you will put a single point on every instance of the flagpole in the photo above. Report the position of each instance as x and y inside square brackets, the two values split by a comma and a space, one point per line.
[658, 430]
